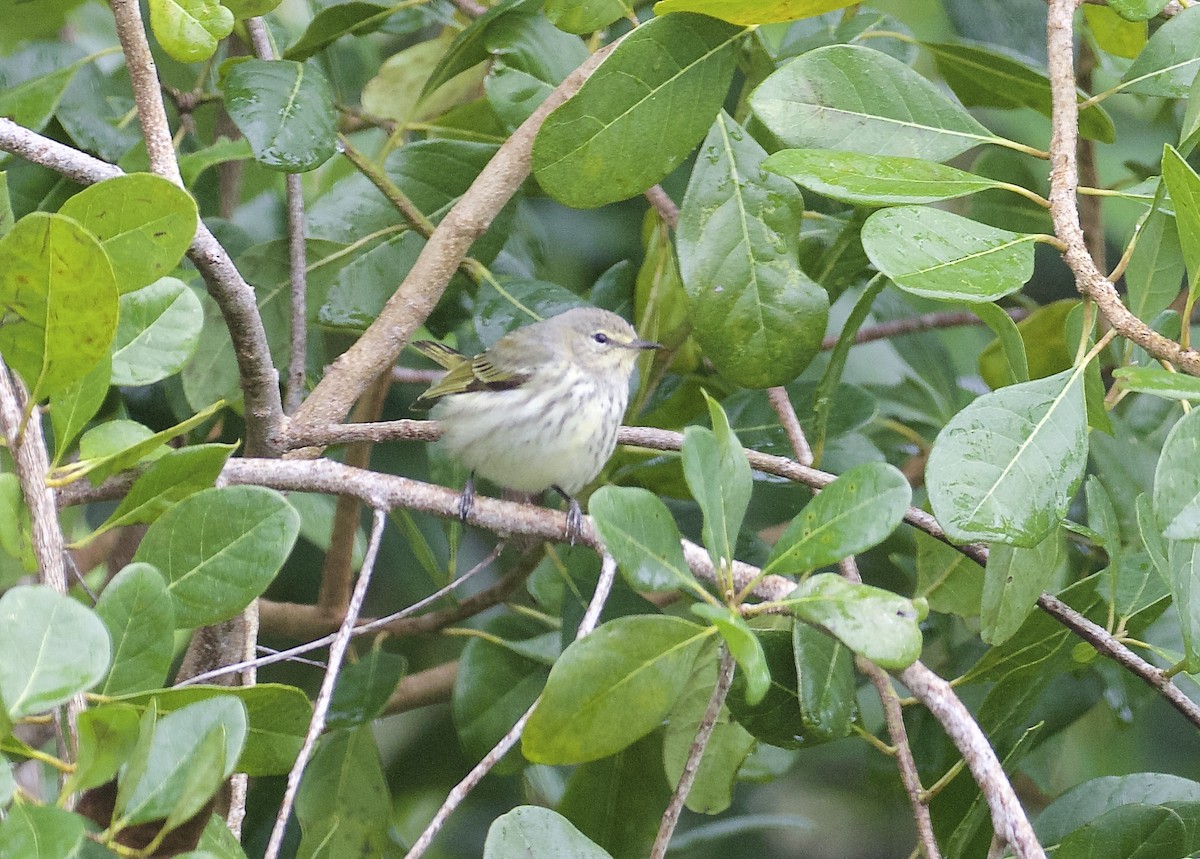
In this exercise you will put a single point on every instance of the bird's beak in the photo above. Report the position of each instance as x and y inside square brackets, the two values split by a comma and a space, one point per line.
[644, 344]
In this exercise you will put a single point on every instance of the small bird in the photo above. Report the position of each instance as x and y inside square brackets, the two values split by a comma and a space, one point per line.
[540, 409]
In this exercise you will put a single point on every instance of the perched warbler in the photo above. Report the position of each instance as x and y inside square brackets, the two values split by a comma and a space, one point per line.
[540, 409]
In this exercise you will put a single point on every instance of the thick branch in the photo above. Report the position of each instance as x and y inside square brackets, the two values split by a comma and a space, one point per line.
[1008, 817]
[1064, 209]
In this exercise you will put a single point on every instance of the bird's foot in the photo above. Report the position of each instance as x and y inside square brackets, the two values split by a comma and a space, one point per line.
[574, 517]
[466, 501]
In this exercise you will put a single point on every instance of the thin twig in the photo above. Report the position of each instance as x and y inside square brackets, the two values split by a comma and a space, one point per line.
[894, 718]
[915, 324]
[1008, 817]
[363, 628]
[670, 818]
[608, 572]
[663, 204]
[337, 650]
[1064, 211]
[782, 403]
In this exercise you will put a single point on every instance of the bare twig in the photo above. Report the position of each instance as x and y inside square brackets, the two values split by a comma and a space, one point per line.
[1064, 211]
[1008, 817]
[894, 719]
[25, 442]
[691, 766]
[608, 572]
[782, 403]
[431, 686]
[663, 204]
[915, 324]
[376, 351]
[337, 650]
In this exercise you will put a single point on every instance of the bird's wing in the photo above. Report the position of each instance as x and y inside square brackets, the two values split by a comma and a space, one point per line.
[464, 374]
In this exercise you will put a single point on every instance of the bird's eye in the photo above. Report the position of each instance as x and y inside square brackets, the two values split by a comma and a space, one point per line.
[600, 337]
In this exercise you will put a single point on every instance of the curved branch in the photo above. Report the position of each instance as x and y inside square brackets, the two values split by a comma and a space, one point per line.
[1008, 817]
[1064, 209]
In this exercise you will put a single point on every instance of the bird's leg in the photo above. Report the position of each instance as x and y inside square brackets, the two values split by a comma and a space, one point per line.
[467, 499]
[574, 516]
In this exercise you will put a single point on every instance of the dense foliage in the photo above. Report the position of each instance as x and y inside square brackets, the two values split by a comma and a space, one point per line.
[891, 439]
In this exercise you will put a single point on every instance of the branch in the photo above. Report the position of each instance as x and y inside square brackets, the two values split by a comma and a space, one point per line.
[915, 324]
[376, 351]
[337, 652]
[695, 755]
[1008, 817]
[1064, 210]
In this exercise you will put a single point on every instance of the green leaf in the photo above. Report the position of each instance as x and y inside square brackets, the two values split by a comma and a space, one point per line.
[530, 58]
[144, 222]
[1113, 33]
[343, 805]
[40, 832]
[277, 718]
[189, 30]
[197, 743]
[611, 688]
[158, 331]
[639, 532]
[946, 578]
[285, 109]
[1176, 482]
[53, 648]
[75, 405]
[494, 686]
[14, 518]
[617, 801]
[1134, 831]
[858, 99]
[664, 83]
[876, 624]
[355, 18]
[60, 302]
[243, 9]
[586, 16]
[1169, 62]
[469, 47]
[825, 684]
[169, 479]
[1012, 582]
[1138, 10]
[32, 102]
[192, 164]
[875, 180]
[776, 719]
[140, 618]
[1184, 187]
[7, 218]
[1006, 467]
[982, 77]
[757, 316]
[1086, 802]
[1156, 269]
[534, 831]
[937, 254]
[1159, 382]
[107, 736]
[7, 783]
[116, 445]
[744, 646]
[1189, 133]
[852, 514]
[753, 11]
[1007, 350]
[218, 549]
[718, 476]
[363, 689]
